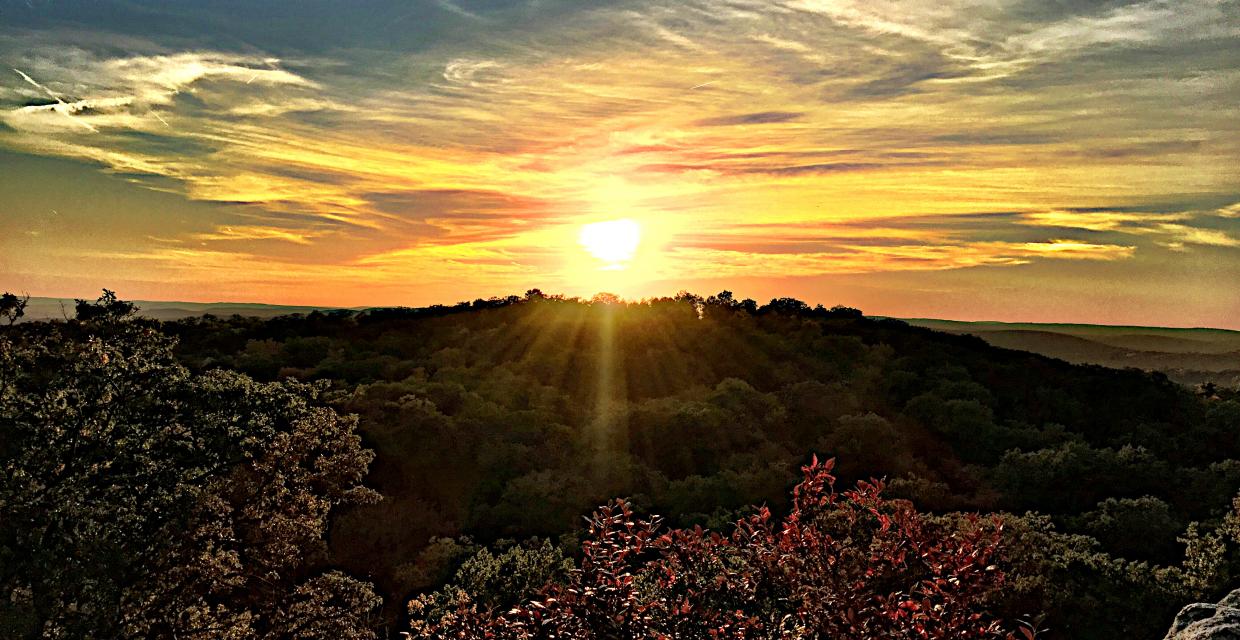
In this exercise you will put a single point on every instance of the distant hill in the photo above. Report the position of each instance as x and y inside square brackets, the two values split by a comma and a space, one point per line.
[1188, 356]
[53, 308]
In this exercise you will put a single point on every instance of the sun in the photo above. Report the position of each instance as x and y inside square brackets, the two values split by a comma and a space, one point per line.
[614, 242]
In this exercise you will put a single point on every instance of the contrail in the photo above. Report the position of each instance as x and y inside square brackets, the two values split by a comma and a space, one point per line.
[271, 64]
[704, 84]
[56, 98]
[161, 119]
[449, 6]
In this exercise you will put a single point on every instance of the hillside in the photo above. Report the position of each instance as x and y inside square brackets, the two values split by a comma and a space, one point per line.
[1188, 356]
[507, 419]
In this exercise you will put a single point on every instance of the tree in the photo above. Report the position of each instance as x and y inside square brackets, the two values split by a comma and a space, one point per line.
[106, 306]
[722, 299]
[841, 311]
[138, 500]
[790, 306]
[1135, 528]
[605, 298]
[501, 579]
[12, 306]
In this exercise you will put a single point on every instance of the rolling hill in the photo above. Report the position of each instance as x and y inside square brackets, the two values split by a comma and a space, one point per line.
[1188, 356]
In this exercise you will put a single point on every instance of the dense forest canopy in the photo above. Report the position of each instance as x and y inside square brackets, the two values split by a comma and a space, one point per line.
[140, 500]
[496, 425]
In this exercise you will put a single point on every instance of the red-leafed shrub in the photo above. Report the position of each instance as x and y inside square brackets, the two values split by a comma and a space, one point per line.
[842, 566]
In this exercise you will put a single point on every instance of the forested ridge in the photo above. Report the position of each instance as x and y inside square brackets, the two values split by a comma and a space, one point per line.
[496, 425]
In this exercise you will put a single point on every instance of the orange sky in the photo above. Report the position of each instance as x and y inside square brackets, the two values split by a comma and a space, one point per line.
[1010, 160]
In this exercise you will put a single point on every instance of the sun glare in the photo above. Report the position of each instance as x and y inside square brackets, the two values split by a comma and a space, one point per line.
[613, 241]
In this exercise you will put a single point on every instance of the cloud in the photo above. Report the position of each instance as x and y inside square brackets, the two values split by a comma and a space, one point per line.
[822, 168]
[900, 81]
[761, 117]
[472, 73]
[1184, 234]
[454, 8]
[1013, 138]
[1175, 230]
[229, 233]
[129, 92]
[1230, 211]
[870, 258]
[1098, 220]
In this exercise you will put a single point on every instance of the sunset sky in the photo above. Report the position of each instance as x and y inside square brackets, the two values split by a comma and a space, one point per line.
[1011, 160]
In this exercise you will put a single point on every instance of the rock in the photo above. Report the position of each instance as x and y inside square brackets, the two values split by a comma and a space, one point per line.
[1232, 600]
[1203, 621]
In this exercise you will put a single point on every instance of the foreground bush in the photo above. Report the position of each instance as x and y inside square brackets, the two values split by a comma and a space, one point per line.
[849, 565]
[138, 500]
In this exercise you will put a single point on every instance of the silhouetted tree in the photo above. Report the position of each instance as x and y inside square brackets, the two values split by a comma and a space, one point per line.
[789, 306]
[12, 306]
[722, 299]
[106, 306]
[604, 297]
[841, 311]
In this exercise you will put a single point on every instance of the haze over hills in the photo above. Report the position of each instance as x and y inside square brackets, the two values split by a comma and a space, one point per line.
[1189, 356]
[55, 308]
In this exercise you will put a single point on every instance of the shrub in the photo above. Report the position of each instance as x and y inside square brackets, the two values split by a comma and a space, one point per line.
[849, 565]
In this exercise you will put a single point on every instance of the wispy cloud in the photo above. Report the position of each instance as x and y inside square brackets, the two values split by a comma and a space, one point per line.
[472, 73]
[1098, 220]
[1181, 234]
[709, 263]
[255, 233]
[760, 117]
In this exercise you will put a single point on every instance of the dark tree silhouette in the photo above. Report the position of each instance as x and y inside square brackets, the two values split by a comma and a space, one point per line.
[12, 306]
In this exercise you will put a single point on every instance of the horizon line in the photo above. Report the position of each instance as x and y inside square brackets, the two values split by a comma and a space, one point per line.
[316, 307]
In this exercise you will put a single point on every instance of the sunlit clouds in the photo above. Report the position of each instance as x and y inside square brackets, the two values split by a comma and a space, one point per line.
[423, 150]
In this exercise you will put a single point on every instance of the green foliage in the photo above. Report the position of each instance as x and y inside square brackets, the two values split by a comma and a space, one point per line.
[512, 574]
[1137, 528]
[1085, 592]
[140, 500]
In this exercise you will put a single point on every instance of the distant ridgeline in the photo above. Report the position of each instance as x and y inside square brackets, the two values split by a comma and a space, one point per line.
[1188, 356]
[61, 308]
[498, 424]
